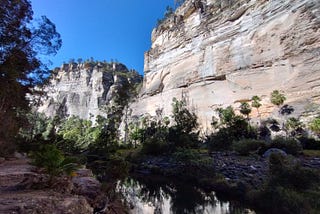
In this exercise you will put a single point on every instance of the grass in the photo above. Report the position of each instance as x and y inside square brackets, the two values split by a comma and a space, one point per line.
[311, 153]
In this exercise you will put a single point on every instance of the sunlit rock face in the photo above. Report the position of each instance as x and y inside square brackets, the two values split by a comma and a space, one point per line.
[218, 53]
[86, 90]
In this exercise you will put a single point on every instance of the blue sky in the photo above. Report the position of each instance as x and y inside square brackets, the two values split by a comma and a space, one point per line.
[103, 29]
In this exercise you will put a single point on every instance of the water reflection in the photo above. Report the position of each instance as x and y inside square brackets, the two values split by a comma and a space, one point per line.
[159, 195]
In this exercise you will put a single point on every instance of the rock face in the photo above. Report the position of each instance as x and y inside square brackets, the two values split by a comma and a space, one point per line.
[220, 52]
[87, 90]
[17, 197]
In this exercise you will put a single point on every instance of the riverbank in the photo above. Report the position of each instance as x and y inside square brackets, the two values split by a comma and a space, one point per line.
[25, 189]
[252, 170]
[245, 178]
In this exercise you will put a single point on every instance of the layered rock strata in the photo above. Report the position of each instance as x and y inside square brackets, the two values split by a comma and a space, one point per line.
[86, 90]
[219, 53]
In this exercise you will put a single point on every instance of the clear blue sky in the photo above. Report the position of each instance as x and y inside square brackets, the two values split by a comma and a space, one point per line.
[103, 29]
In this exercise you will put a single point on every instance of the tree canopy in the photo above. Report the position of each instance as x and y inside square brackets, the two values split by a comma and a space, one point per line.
[22, 41]
[277, 98]
[245, 109]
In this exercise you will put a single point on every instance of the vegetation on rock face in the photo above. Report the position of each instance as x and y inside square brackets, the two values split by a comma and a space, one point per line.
[168, 13]
[289, 188]
[22, 41]
[245, 109]
[295, 127]
[256, 102]
[178, 3]
[277, 98]
[315, 126]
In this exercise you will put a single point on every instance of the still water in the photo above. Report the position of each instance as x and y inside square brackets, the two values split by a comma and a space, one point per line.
[158, 195]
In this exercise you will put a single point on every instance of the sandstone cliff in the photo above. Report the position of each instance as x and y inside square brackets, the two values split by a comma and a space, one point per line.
[87, 90]
[219, 52]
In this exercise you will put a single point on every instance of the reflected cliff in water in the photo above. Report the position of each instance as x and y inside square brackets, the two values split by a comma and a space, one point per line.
[159, 195]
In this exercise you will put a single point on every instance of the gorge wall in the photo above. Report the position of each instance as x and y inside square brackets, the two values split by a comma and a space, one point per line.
[220, 52]
[87, 89]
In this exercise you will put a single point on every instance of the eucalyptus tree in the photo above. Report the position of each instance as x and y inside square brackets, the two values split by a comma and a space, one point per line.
[23, 41]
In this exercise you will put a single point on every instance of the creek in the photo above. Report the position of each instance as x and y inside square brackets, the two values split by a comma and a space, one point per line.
[160, 195]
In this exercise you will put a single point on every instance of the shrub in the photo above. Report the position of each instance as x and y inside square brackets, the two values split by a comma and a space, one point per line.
[153, 146]
[236, 130]
[222, 140]
[185, 120]
[309, 143]
[157, 138]
[191, 156]
[290, 145]
[245, 146]
[186, 155]
[277, 98]
[290, 188]
[315, 125]
[280, 200]
[53, 161]
[180, 139]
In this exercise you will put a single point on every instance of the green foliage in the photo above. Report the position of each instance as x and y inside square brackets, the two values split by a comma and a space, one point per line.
[256, 102]
[294, 126]
[245, 109]
[182, 133]
[226, 115]
[53, 161]
[38, 129]
[245, 146]
[186, 121]
[234, 128]
[277, 98]
[107, 136]
[77, 134]
[136, 135]
[190, 156]
[315, 126]
[289, 145]
[290, 188]
[22, 43]
[36, 126]
[180, 139]
[309, 143]
[157, 138]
